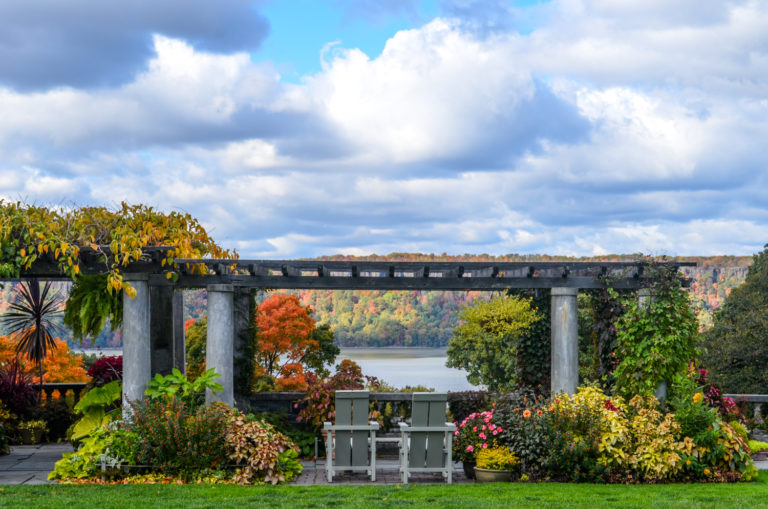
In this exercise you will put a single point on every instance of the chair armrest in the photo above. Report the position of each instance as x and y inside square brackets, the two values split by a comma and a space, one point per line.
[351, 427]
[404, 428]
[374, 425]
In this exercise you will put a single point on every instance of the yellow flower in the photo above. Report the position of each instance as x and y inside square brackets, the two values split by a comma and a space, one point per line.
[697, 397]
[707, 471]
[687, 462]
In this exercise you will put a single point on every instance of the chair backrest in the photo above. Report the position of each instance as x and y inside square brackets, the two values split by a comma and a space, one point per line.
[426, 449]
[351, 446]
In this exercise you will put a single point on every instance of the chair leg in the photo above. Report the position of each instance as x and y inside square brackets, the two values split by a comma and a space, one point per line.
[329, 457]
[373, 456]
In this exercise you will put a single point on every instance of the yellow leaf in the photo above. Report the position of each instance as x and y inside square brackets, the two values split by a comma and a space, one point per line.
[45, 248]
[56, 253]
[23, 252]
[40, 248]
[76, 269]
[168, 275]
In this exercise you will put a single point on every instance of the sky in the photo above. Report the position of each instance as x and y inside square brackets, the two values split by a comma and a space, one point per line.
[300, 128]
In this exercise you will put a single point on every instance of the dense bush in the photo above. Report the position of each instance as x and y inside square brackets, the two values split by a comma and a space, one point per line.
[173, 434]
[589, 436]
[177, 438]
[521, 416]
[16, 390]
[106, 369]
[461, 404]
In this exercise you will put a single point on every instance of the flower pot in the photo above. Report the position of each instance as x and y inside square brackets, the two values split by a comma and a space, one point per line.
[483, 475]
[469, 469]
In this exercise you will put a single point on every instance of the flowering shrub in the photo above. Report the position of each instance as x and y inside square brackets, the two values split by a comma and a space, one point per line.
[106, 369]
[573, 435]
[521, 417]
[177, 438]
[475, 433]
[497, 458]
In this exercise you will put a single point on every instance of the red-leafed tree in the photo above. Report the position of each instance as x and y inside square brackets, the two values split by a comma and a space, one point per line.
[285, 337]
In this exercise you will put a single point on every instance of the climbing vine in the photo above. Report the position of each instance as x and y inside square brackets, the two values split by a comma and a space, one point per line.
[534, 355]
[657, 340]
[32, 234]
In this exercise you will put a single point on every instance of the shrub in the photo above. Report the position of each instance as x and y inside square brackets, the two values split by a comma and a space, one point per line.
[756, 446]
[261, 453]
[497, 458]
[177, 438]
[461, 404]
[57, 416]
[318, 405]
[573, 433]
[106, 369]
[475, 433]
[16, 390]
[521, 416]
[179, 385]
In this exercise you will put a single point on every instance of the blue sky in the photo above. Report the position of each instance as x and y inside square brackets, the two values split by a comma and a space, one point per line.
[297, 128]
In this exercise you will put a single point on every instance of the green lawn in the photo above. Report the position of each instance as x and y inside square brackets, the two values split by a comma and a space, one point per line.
[481, 496]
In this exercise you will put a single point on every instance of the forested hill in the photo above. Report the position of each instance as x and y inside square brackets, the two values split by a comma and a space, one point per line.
[407, 318]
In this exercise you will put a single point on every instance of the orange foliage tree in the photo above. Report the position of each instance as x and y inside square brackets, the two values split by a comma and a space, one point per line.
[285, 337]
[61, 365]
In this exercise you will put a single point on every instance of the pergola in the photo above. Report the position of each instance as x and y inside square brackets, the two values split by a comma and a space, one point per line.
[153, 329]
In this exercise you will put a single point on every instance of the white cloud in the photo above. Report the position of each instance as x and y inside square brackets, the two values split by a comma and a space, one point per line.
[612, 127]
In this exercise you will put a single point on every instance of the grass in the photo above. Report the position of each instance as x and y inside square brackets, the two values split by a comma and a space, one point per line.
[467, 496]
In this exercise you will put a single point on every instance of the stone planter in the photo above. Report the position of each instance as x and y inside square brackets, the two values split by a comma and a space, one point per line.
[469, 469]
[483, 475]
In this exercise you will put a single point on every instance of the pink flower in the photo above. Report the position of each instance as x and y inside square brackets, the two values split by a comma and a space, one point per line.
[482, 435]
[470, 448]
[456, 432]
[474, 428]
[495, 432]
[485, 446]
[483, 428]
[499, 429]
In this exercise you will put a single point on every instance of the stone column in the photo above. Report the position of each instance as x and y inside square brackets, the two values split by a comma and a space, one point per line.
[243, 349]
[179, 340]
[161, 328]
[219, 348]
[137, 359]
[565, 340]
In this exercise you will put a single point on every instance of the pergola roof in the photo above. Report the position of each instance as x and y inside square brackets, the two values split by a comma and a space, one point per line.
[367, 275]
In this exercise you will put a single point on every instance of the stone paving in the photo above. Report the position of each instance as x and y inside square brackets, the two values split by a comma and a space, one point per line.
[387, 472]
[30, 464]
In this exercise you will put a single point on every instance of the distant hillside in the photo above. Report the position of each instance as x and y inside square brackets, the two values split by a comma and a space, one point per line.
[408, 318]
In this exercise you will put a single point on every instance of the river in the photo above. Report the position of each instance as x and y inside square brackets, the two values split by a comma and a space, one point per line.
[396, 366]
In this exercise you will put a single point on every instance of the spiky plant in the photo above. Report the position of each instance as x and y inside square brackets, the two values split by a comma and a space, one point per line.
[30, 320]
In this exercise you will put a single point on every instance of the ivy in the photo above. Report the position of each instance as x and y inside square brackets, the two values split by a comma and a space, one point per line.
[115, 238]
[655, 341]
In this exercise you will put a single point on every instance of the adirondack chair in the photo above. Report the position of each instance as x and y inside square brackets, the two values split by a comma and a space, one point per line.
[426, 444]
[354, 445]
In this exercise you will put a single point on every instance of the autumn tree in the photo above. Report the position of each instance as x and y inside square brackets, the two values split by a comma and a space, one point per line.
[285, 336]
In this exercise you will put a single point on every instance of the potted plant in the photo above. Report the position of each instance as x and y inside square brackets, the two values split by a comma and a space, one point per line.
[495, 464]
[31, 432]
[475, 433]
